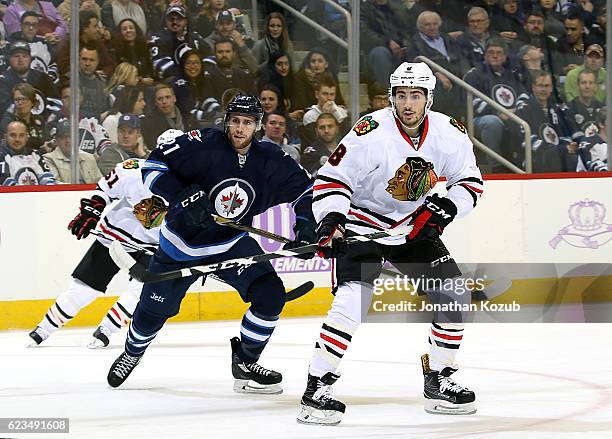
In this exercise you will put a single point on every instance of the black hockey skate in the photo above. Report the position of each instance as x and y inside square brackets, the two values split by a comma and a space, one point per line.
[39, 335]
[100, 338]
[251, 377]
[443, 395]
[121, 369]
[317, 405]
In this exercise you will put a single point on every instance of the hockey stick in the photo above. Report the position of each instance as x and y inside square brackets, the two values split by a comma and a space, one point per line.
[123, 243]
[228, 222]
[293, 294]
[138, 271]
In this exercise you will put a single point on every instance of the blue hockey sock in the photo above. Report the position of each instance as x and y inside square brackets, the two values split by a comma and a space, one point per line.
[142, 331]
[255, 332]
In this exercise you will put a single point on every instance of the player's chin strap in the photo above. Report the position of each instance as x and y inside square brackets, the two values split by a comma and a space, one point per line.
[139, 271]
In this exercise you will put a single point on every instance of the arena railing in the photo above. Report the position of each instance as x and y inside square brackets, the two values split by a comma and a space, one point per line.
[470, 119]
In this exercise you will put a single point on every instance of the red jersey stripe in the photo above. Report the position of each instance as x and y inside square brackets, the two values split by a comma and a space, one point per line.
[108, 232]
[472, 187]
[319, 187]
[365, 218]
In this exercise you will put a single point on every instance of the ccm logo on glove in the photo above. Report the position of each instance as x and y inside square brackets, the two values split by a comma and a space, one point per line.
[193, 198]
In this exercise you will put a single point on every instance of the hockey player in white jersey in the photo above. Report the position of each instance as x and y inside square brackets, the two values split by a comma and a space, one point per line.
[134, 219]
[380, 176]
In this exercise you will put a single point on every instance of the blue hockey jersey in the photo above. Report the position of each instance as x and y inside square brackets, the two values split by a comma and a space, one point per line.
[237, 188]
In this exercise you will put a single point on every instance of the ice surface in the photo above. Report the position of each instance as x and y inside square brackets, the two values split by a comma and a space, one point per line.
[531, 381]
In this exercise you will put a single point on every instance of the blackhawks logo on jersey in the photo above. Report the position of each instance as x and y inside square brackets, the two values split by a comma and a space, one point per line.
[365, 125]
[130, 164]
[412, 180]
[454, 122]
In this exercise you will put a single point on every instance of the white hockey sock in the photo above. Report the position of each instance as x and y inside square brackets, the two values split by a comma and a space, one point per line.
[120, 313]
[330, 347]
[348, 310]
[444, 341]
[67, 305]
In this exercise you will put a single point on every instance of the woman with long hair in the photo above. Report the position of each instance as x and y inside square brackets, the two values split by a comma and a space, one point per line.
[271, 99]
[131, 100]
[193, 95]
[131, 46]
[125, 74]
[277, 72]
[275, 40]
[26, 109]
[316, 64]
[115, 11]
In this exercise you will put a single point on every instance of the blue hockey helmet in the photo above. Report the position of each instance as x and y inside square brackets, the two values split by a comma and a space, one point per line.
[244, 105]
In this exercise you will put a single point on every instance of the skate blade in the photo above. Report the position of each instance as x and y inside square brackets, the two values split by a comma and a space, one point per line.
[96, 344]
[313, 416]
[438, 407]
[250, 386]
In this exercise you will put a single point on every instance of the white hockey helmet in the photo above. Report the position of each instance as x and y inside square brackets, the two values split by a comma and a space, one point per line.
[417, 75]
[168, 136]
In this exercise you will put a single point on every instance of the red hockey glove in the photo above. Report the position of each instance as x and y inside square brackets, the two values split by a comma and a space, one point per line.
[88, 217]
[430, 218]
[331, 235]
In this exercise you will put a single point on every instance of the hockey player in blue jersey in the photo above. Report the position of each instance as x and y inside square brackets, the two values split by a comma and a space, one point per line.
[231, 174]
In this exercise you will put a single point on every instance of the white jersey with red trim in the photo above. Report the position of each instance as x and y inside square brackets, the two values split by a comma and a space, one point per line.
[124, 183]
[378, 175]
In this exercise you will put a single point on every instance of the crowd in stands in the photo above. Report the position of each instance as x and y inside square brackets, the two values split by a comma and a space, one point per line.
[149, 65]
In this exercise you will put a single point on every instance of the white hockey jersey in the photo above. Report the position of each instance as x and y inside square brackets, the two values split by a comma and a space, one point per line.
[124, 183]
[378, 175]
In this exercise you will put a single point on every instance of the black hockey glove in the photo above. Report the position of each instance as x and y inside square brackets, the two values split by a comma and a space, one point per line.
[330, 236]
[430, 218]
[88, 217]
[195, 208]
[304, 234]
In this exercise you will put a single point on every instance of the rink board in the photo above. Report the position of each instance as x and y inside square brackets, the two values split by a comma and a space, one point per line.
[518, 220]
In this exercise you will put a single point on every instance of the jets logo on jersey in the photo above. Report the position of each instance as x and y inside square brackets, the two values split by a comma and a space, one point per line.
[41, 103]
[454, 122]
[232, 198]
[25, 177]
[548, 134]
[412, 180]
[365, 125]
[505, 95]
[131, 164]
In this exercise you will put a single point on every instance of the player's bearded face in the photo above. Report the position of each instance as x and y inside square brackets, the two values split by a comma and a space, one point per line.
[241, 131]
[410, 105]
